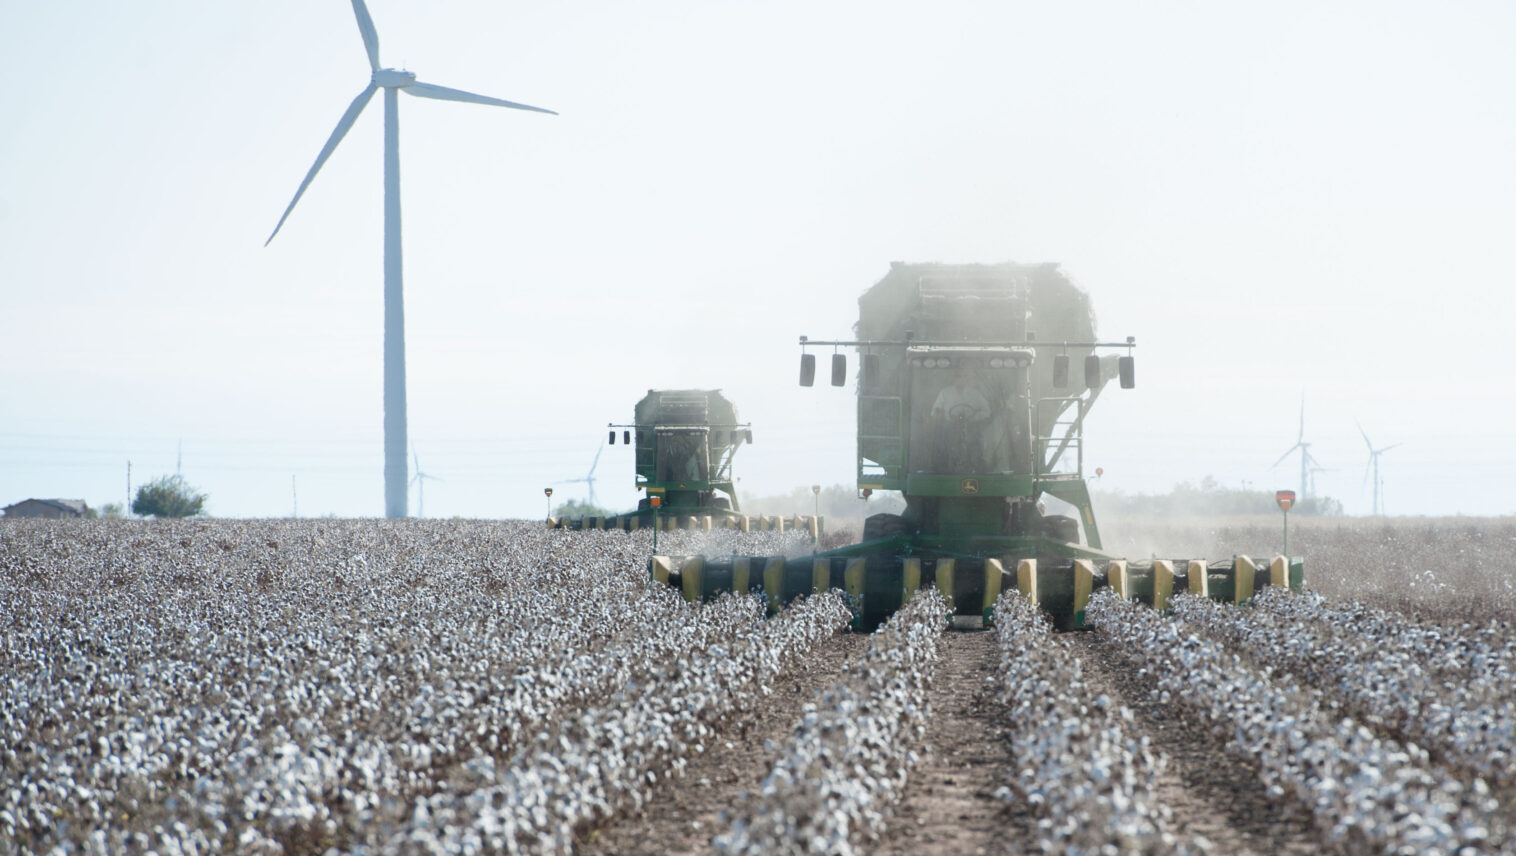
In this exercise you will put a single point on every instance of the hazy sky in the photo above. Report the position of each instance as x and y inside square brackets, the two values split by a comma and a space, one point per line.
[1298, 198]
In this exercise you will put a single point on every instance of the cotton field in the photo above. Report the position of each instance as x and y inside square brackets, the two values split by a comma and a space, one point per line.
[496, 687]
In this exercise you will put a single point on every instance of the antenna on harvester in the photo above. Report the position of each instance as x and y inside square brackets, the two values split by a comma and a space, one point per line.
[391, 80]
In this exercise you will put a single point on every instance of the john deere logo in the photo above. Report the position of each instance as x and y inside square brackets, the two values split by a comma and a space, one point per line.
[970, 486]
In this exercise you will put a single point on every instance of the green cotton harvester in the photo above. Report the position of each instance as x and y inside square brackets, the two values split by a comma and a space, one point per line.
[684, 442]
[974, 383]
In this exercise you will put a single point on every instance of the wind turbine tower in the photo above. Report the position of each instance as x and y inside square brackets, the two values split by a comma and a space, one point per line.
[1308, 461]
[392, 81]
[1374, 465]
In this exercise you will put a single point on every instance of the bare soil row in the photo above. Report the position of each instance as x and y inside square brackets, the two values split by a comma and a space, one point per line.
[951, 805]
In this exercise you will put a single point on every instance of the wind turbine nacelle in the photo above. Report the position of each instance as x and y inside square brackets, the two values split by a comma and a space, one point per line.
[393, 77]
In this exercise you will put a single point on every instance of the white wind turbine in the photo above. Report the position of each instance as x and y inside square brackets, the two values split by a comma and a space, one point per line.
[1307, 460]
[1374, 464]
[589, 478]
[420, 480]
[391, 80]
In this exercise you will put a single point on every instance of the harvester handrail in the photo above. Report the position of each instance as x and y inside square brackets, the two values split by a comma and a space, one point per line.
[1072, 436]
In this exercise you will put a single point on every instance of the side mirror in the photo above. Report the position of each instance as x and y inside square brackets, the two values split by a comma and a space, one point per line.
[612, 440]
[626, 437]
[807, 369]
[1092, 371]
[1061, 371]
[870, 371]
[839, 369]
[1128, 368]
[750, 435]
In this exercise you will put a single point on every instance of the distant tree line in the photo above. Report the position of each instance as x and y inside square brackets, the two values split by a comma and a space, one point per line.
[1209, 498]
[1206, 499]
[579, 508]
[838, 501]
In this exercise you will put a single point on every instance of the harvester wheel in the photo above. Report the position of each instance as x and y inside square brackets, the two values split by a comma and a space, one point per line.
[883, 526]
[1061, 528]
[882, 571]
[881, 596]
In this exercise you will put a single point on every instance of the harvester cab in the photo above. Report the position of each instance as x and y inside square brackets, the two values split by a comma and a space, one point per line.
[968, 407]
[684, 442]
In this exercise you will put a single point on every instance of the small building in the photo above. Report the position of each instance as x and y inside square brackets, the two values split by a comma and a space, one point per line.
[50, 508]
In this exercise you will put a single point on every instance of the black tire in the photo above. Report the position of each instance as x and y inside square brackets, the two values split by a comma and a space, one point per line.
[878, 607]
[875, 527]
[1061, 528]
[883, 526]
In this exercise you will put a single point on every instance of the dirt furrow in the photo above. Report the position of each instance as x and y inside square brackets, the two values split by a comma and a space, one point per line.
[949, 805]
[685, 814]
[1211, 792]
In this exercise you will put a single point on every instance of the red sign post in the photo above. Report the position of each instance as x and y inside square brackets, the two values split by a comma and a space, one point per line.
[1285, 498]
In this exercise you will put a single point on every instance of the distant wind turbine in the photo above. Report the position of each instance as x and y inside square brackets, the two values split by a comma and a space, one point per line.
[589, 479]
[419, 480]
[1314, 470]
[1374, 465]
[391, 80]
[1307, 460]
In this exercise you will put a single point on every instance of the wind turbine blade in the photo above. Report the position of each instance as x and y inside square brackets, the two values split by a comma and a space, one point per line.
[1365, 436]
[1387, 448]
[1288, 453]
[442, 93]
[341, 130]
[597, 460]
[1301, 439]
[370, 35]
